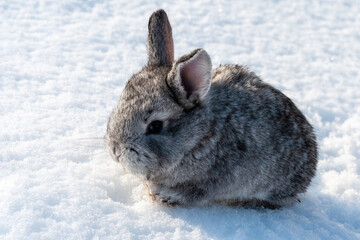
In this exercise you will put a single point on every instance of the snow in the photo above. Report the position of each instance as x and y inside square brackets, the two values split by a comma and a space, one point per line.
[63, 65]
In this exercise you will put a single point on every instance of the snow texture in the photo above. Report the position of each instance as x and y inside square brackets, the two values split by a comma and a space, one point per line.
[63, 65]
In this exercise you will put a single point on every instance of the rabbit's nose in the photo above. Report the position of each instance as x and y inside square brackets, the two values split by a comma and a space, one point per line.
[116, 149]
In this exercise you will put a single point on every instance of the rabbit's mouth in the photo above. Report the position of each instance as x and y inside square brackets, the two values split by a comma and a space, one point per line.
[134, 151]
[135, 161]
[117, 151]
[142, 163]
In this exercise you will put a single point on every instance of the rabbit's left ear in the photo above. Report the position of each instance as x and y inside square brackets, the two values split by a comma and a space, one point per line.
[160, 41]
[190, 78]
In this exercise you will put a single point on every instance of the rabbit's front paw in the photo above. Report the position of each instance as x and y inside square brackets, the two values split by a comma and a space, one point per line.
[166, 200]
[165, 196]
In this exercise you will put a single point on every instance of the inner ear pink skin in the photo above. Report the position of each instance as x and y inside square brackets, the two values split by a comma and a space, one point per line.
[191, 75]
[169, 44]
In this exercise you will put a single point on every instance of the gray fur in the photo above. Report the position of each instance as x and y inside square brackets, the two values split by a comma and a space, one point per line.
[240, 141]
[160, 41]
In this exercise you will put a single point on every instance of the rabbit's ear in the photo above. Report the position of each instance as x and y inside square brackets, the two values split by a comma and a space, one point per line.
[160, 41]
[190, 78]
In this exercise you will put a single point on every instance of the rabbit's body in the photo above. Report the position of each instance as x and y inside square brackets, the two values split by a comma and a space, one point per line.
[239, 141]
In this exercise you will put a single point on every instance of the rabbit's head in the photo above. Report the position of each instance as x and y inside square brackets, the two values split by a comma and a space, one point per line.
[162, 111]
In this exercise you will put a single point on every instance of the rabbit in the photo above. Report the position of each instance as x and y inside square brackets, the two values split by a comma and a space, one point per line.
[197, 137]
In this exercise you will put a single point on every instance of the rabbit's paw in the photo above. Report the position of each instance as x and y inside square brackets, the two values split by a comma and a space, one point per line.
[166, 200]
[165, 196]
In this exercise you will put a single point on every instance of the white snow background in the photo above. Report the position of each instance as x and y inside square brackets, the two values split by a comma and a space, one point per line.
[63, 65]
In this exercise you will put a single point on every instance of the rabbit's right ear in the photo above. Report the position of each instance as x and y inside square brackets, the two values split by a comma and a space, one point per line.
[190, 78]
[160, 41]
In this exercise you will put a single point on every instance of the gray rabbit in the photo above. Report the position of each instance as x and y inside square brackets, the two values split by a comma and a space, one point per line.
[198, 137]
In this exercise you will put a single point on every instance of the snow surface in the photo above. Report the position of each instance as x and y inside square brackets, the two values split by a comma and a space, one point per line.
[63, 65]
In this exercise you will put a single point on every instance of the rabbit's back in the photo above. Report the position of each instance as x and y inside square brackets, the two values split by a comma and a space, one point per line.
[275, 144]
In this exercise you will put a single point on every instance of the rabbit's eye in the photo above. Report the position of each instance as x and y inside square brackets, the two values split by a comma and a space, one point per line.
[154, 127]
